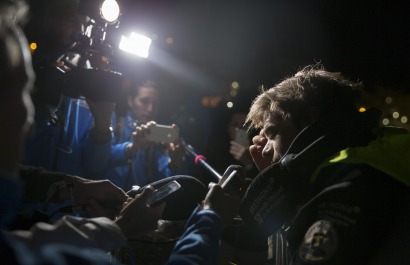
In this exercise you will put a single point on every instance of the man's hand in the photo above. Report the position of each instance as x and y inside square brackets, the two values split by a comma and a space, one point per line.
[137, 218]
[176, 152]
[102, 113]
[100, 197]
[241, 153]
[259, 142]
[224, 204]
[139, 140]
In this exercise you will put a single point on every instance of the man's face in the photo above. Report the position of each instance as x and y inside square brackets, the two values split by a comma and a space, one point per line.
[280, 133]
[145, 105]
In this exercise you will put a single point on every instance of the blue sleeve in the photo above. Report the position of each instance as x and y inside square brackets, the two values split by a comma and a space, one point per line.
[199, 243]
[118, 154]
[96, 156]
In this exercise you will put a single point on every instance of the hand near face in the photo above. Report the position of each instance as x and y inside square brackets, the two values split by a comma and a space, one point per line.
[137, 218]
[256, 150]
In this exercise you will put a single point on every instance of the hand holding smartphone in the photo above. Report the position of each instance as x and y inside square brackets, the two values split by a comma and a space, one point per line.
[162, 193]
[241, 137]
[162, 133]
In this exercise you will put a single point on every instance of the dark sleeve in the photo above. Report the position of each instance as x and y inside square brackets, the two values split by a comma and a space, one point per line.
[346, 221]
[36, 182]
[199, 243]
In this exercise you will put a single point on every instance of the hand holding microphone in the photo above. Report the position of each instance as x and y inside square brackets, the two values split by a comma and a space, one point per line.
[224, 198]
[224, 204]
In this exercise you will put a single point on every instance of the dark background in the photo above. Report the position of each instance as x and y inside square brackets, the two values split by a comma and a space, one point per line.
[260, 42]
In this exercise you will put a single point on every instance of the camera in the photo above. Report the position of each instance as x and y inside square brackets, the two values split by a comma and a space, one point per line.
[86, 71]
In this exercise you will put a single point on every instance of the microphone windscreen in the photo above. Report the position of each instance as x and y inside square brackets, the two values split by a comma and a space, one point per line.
[182, 203]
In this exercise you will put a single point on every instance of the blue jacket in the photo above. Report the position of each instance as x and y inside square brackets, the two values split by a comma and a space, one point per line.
[147, 166]
[61, 141]
[199, 243]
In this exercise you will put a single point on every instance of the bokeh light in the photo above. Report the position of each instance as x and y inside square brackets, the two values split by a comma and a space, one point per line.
[385, 121]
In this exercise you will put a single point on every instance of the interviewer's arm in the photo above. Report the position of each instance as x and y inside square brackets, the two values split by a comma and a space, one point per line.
[200, 242]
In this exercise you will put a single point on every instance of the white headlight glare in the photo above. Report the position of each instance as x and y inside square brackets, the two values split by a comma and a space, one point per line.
[110, 10]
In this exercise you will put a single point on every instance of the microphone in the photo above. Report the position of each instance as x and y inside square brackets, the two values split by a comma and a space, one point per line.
[181, 204]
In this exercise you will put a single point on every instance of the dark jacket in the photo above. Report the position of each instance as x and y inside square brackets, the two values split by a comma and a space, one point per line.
[313, 211]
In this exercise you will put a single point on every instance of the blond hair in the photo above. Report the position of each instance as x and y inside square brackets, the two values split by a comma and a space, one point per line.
[311, 87]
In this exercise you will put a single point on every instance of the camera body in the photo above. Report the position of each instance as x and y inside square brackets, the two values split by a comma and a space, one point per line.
[86, 71]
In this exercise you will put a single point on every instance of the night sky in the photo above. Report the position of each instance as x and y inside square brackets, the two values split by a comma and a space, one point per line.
[261, 42]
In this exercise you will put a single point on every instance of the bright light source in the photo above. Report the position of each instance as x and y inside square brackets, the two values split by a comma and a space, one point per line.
[395, 115]
[362, 109]
[229, 104]
[136, 44]
[110, 10]
[404, 119]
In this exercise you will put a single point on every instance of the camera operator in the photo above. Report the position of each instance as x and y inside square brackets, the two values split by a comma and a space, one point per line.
[72, 240]
[71, 135]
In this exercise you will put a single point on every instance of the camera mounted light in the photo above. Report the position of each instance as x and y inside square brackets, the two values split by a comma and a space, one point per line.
[103, 16]
[101, 11]
[110, 11]
[136, 44]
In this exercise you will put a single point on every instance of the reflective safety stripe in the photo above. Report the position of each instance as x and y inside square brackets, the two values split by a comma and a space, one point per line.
[388, 153]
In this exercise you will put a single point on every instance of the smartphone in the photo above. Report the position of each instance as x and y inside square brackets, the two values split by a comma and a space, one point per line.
[162, 133]
[163, 192]
[241, 137]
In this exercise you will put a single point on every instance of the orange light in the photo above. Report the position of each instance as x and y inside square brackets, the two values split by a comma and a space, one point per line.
[33, 46]
[362, 109]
